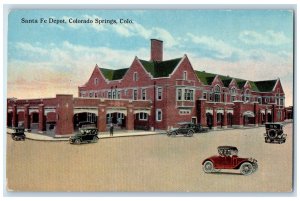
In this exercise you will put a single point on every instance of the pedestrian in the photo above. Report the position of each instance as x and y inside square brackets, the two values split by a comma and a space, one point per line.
[111, 129]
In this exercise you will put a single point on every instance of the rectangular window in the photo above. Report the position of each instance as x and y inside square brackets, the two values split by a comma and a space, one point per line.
[114, 94]
[143, 116]
[96, 95]
[158, 115]
[217, 98]
[135, 76]
[232, 98]
[143, 94]
[179, 94]
[159, 93]
[91, 94]
[184, 75]
[267, 100]
[109, 95]
[259, 100]
[205, 95]
[125, 92]
[118, 94]
[135, 94]
[191, 95]
[96, 81]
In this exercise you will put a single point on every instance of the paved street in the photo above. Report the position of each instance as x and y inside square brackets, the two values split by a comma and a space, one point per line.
[154, 163]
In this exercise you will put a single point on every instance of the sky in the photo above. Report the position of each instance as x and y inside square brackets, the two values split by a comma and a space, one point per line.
[45, 59]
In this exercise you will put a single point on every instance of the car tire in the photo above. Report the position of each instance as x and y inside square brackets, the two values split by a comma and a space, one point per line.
[246, 168]
[190, 133]
[77, 141]
[173, 134]
[95, 139]
[208, 167]
[272, 134]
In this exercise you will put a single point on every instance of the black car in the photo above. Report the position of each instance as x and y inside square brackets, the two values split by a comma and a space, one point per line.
[18, 134]
[200, 129]
[84, 136]
[274, 133]
[187, 129]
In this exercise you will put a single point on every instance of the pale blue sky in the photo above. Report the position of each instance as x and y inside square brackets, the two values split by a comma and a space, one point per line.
[250, 44]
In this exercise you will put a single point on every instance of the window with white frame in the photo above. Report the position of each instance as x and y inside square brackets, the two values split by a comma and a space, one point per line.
[135, 94]
[232, 98]
[259, 100]
[96, 81]
[267, 100]
[184, 75]
[233, 90]
[217, 95]
[179, 94]
[135, 76]
[91, 94]
[114, 94]
[118, 94]
[144, 94]
[125, 92]
[120, 115]
[109, 95]
[158, 115]
[159, 93]
[96, 95]
[143, 116]
[205, 95]
[247, 95]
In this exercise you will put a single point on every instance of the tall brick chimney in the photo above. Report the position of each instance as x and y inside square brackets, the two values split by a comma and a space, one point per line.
[156, 50]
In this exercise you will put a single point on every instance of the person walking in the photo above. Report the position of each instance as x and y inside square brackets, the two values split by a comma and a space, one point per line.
[111, 129]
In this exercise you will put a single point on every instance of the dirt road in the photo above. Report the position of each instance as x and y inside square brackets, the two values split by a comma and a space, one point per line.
[148, 164]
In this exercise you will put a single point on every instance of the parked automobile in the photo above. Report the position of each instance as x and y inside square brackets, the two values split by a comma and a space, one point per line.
[186, 128]
[228, 159]
[18, 134]
[274, 133]
[85, 135]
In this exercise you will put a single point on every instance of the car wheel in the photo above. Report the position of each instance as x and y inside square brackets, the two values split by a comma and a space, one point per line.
[246, 168]
[190, 133]
[77, 141]
[255, 167]
[173, 134]
[95, 139]
[208, 167]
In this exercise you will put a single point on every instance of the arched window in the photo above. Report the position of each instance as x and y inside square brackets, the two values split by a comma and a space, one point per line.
[217, 89]
[217, 95]
[247, 95]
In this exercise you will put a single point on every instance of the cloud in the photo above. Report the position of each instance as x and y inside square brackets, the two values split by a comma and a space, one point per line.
[270, 38]
[221, 49]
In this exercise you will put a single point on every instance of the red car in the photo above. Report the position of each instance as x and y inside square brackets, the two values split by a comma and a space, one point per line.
[228, 159]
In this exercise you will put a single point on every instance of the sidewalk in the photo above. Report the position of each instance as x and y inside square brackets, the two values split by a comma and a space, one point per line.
[43, 137]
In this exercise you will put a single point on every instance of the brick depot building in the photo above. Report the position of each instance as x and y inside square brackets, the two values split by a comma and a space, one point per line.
[153, 94]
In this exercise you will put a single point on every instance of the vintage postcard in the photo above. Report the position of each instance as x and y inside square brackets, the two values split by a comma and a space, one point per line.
[150, 100]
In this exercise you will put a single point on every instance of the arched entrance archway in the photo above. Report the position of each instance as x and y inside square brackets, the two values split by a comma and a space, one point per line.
[249, 118]
[209, 120]
[84, 119]
[117, 118]
[229, 119]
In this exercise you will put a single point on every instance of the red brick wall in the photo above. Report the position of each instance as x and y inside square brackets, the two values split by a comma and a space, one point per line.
[156, 50]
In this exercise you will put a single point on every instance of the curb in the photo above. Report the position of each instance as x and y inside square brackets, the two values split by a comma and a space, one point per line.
[67, 139]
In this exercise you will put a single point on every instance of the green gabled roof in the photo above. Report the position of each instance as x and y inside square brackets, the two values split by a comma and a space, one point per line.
[241, 83]
[206, 78]
[266, 85]
[113, 74]
[160, 68]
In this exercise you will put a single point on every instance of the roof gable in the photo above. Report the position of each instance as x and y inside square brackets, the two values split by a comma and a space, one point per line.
[160, 68]
[266, 85]
[113, 74]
